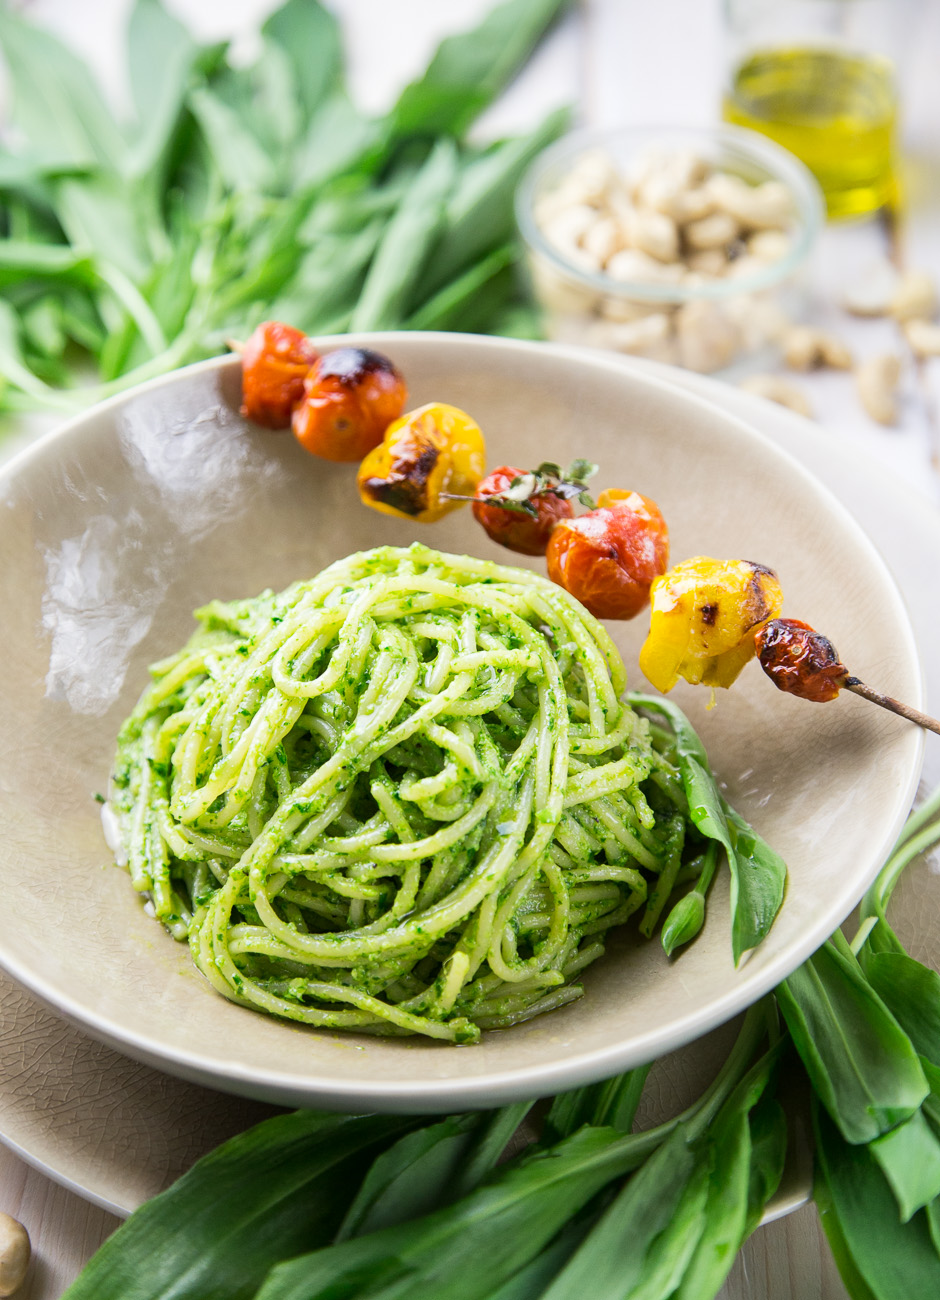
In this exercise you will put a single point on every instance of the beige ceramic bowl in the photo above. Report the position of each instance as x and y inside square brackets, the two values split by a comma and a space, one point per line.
[117, 526]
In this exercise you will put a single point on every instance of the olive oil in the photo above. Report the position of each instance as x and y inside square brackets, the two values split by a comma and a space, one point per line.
[835, 111]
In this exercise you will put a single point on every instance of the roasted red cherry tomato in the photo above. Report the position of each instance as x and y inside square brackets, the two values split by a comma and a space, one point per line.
[275, 362]
[800, 661]
[349, 400]
[524, 531]
[609, 557]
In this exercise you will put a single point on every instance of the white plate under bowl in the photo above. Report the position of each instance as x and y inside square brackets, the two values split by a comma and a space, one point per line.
[118, 525]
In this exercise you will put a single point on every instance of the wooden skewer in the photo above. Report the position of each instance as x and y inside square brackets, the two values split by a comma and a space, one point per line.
[895, 706]
[235, 345]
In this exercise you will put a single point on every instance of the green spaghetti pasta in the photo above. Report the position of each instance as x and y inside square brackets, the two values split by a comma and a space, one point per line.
[404, 797]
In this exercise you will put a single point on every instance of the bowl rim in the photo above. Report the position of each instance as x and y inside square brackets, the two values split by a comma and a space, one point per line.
[501, 1085]
[779, 162]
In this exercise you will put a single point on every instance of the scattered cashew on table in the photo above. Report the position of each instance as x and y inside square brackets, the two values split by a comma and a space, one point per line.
[14, 1254]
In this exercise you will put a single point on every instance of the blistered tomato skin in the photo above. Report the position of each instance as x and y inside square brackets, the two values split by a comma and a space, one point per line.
[275, 362]
[609, 557]
[800, 661]
[527, 534]
[348, 401]
[424, 458]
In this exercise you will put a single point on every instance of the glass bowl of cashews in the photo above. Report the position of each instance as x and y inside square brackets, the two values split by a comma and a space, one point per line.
[687, 246]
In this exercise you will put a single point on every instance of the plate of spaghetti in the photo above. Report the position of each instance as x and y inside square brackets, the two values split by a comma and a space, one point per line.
[410, 840]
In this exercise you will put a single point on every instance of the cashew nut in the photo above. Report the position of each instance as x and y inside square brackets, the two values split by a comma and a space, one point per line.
[14, 1254]
[769, 245]
[708, 340]
[768, 206]
[682, 205]
[665, 186]
[633, 264]
[744, 266]
[653, 233]
[877, 381]
[649, 337]
[557, 292]
[806, 348]
[716, 231]
[692, 205]
[760, 319]
[591, 178]
[924, 337]
[708, 261]
[779, 390]
[602, 240]
[871, 289]
[620, 309]
[666, 171]
[914, 297]
[566, 231]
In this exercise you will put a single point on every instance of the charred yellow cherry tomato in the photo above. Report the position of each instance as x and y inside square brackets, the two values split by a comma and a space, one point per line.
[703, 617]
[427, 455]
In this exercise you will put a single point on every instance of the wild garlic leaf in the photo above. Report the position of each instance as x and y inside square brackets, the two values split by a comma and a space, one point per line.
[26, 261]
[412, 1177]
[909, 1157]
[161, 61]
[479, 212]
[242, 162]
[309, 36]
[768, 1123]
[56, 102]
[728, 1210]
[610, 1261]
[758, 873]
[890, 1258]
[612, 1102]
[454, 1251]
[469, 69]
[338, 139]
[262, 1196]
[912, 992]
[861, 1064]
[457, 305]
[411, 232]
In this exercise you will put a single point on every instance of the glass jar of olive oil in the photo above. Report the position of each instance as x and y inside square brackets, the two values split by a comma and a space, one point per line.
[822, 78]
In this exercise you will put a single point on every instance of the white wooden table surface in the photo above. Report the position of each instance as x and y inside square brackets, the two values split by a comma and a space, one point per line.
[620, 61]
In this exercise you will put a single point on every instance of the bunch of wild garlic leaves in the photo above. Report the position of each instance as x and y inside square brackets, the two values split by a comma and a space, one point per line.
[310, 1206]
[865, 1020]
[239, 194]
